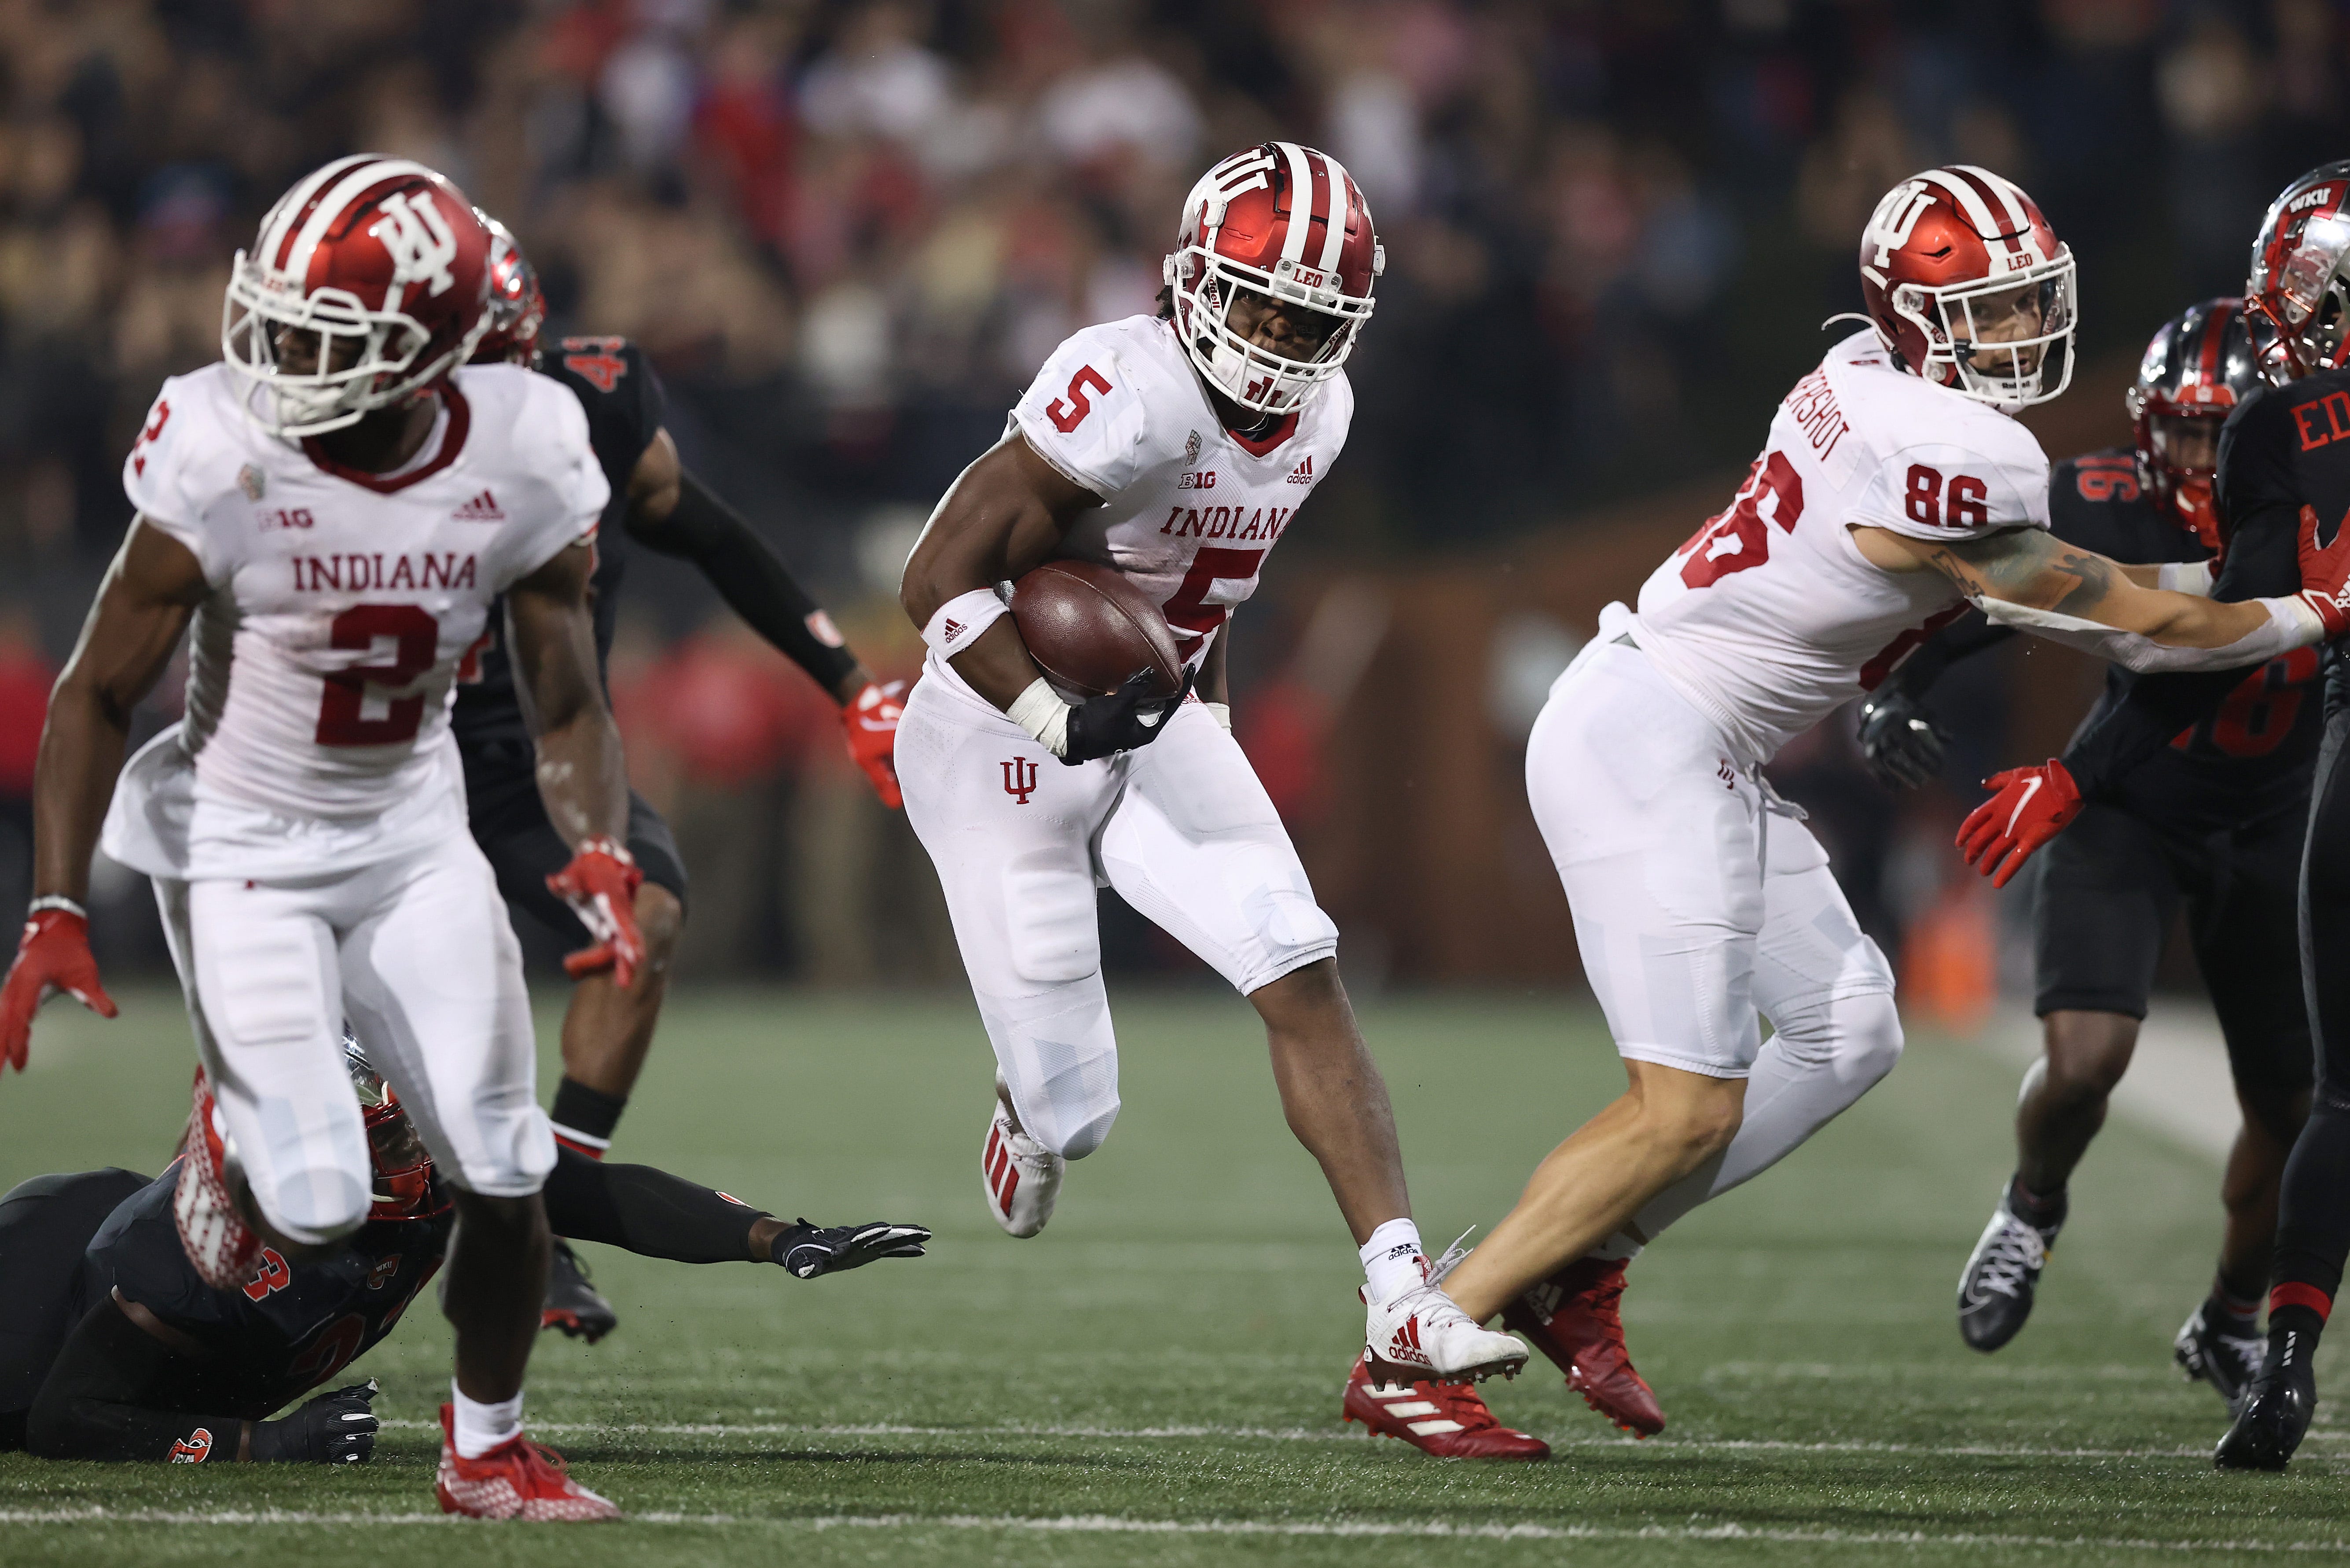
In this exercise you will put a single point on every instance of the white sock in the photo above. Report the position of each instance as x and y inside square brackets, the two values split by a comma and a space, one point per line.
[480, 1428]
[1392, 1260]
[1618, 1248]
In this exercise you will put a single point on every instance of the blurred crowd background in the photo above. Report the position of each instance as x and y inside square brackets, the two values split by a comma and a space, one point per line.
[847, 232]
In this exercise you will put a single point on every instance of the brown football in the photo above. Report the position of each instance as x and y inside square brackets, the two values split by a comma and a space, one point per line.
[1091, 630]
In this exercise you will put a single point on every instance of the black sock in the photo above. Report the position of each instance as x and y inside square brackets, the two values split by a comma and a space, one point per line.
[2305, 1321]
[584, 1118]
[2229, 1313]
[2042, 1213]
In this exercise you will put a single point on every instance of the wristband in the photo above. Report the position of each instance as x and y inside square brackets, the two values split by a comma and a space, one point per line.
[2191, 577]
[54, 901]
[1221, 713]
[1040, 711]
[957, 623]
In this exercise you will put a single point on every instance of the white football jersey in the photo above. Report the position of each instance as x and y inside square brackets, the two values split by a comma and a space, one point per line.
[1768, 618]
[1189, 510]
[341, 606]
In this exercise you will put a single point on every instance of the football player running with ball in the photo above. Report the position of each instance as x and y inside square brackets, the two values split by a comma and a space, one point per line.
[310, 506]
[2214, 820]
[1894, 489]
[2284, 473]
[1173, 449]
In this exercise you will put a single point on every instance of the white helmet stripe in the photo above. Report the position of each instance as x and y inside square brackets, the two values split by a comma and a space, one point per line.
[1334, 231]
[1970, 200]
[2005, 190]
[355, 182]
[1301, 202]
[278, 226]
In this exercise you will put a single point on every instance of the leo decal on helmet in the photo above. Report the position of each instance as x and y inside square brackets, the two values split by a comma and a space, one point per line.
[1286, 222]
[2297, 288]
[1969, 287]
[371, 277]
[517, 303]
[2200, 366]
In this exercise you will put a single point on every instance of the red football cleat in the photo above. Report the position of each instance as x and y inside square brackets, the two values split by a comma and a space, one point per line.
[1447, 1419]
[516, 1479]
[220, 1246]
[1573, 1317]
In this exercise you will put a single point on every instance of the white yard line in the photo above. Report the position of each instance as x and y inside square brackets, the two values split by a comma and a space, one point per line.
[1111, 1524]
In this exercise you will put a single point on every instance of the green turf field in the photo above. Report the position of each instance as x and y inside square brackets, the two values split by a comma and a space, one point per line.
[1154, 1379]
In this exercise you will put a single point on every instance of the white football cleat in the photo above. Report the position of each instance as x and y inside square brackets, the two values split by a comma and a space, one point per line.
[1021, 1176]
[1421, 1336]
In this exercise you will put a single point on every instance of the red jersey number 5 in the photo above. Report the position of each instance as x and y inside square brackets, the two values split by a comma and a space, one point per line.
[1067, 413]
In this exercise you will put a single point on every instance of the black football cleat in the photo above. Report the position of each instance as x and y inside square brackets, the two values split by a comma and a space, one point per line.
[1995, 1292]
[2276, 1409]
[574, 1304]
[2228, 1362]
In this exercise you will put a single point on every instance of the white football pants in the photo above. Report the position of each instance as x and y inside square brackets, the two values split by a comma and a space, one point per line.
[1181, 828]
[1702, 906]
[418, 954]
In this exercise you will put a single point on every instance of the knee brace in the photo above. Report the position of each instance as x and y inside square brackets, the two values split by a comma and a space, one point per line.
[1059, 1060]
[1856, 1038]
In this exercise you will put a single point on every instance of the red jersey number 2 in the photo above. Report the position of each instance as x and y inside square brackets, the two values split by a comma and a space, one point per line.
[1067, 413]
[415, 638]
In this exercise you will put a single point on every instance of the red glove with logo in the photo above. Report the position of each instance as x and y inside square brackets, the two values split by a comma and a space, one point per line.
[2325, 573]
[871, 720]
[53, 957]
[2028, 808]
[600, 885]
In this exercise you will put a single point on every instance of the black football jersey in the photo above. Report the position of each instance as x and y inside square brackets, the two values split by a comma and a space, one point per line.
[2228, 765]
[624, 406]
[286, 1330]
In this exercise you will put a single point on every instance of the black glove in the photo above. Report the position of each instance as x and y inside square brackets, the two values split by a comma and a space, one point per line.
[1127, 718]
[335, 1429]
[1901, 745]
[807, 1251]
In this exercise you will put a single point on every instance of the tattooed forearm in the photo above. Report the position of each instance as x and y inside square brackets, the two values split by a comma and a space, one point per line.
[2028, 566]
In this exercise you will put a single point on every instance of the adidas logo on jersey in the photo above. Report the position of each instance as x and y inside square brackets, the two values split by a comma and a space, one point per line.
[481, 508]
[1302, 473]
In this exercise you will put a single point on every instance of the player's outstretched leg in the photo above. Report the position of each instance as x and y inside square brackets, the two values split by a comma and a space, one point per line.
[1450, 1421]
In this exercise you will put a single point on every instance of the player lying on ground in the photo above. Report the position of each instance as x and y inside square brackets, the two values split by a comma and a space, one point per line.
[2283, 474]
[1893, 491]
[2215, 820]
[1175, 450]
[329, 515]
[112, 1346]
[656, 502]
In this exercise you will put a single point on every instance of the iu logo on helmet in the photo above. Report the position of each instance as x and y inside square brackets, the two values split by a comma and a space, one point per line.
[1020, 779]
[416, 234]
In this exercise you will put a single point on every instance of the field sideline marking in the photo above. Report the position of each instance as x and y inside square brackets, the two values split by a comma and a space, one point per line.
[1111, 1524]
[1305, 1434]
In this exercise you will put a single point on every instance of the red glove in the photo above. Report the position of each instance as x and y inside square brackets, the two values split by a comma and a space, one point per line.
[2325, 573]
[2028, 808]
[871, 720]
[600, 885]
[53, 957]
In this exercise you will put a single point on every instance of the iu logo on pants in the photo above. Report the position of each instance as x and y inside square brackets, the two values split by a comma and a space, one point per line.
[1020, 779]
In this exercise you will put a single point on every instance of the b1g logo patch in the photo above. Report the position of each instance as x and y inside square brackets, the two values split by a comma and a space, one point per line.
[194, 1449]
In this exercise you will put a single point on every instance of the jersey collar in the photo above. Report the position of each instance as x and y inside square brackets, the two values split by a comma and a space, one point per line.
[452, 441]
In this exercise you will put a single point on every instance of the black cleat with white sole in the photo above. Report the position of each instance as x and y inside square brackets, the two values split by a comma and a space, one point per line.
[2207, 1353]
[2277, 1407]
[1995, 1291]
[574, 1304]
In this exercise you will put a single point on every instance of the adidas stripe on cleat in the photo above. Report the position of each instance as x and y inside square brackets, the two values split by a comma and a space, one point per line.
[1020, 1176]
[1420, 1335]
[1450, 1421]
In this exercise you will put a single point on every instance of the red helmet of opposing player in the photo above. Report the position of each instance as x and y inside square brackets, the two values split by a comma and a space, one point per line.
[2200, 364]
[2298, 286]
[368, 282]
[403, 1166]
[517, 305]
[1279, 222]
[1969, 287]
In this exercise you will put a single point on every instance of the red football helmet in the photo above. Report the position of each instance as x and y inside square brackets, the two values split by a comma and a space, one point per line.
[1280, 222]
[2299, 288]
[1957, 266]
[517, 305]
[403, 1167]
[368, 282]
[2198, 369]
